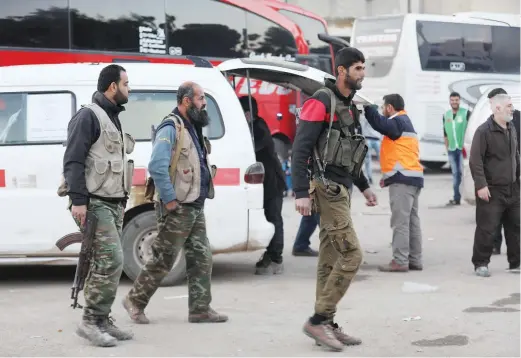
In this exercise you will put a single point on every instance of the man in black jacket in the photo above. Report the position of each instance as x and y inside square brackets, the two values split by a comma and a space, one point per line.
[515, 121]
[95, 171]
[274, 187]
[340, 255]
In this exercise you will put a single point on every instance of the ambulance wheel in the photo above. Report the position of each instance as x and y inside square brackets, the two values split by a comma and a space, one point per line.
[137, 238]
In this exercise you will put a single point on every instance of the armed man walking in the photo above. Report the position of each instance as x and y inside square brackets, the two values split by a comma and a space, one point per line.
[329, 131]
[403, 174]
[183, 180]
[455, 122]
[98, 178]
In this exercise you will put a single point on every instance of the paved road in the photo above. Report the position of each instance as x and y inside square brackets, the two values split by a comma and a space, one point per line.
[464, 316]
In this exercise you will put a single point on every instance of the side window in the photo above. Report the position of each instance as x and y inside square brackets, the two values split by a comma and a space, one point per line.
[266, 37]
[205, 28]
[145, 109]
[118, 25]
[468, 47]
[42, 23]
[35, 117]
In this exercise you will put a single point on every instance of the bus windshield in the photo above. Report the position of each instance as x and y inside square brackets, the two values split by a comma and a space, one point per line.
[378, 39]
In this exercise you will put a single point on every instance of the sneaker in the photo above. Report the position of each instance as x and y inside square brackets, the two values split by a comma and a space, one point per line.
[323, 335]
[209, 316]
[393, 266]
[92, 332]
[513, 268]
[136, 314]
[415, 267]
[266, 266]
[309, 252]
[342, 337]
[453, 202]
[107, 325]
[482, 271]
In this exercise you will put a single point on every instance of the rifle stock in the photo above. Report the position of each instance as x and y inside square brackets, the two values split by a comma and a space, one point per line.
[85, 256]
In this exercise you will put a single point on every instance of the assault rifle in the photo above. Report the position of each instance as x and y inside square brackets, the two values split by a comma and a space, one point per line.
[85, 256]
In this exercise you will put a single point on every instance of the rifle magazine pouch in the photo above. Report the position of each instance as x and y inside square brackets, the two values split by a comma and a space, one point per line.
[333, 146]
[359, 154]
[150, 189]
[62, 189]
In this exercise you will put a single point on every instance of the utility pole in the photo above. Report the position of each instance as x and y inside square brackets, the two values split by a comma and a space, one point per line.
[408, 6]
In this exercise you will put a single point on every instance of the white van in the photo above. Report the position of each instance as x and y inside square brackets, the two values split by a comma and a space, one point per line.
[481, 113]
[36, 105]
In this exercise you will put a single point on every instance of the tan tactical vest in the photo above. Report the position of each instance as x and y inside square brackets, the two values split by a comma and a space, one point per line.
[108, 172]
[186, 176]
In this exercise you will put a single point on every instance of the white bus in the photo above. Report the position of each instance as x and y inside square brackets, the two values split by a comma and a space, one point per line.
[426, 57]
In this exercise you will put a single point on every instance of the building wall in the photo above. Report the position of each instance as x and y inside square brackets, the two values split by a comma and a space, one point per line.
[340, 13]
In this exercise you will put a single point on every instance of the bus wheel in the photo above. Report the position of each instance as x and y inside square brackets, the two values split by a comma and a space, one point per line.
[137, 238]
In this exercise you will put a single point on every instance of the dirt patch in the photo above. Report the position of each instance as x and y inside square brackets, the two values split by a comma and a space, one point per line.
[452, 340]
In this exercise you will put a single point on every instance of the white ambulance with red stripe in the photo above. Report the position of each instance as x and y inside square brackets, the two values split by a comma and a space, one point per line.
[36, 105]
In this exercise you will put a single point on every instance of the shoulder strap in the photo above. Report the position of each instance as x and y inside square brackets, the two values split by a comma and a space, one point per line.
[331, 116]
[178, 147]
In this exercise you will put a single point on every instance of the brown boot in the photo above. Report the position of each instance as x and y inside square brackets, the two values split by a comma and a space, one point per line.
[393, 266]
[209, 316]
[343, 337]
[323, 336]
[136, 314]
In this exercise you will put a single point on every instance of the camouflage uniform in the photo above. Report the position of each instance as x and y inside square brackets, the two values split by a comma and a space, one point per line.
[183, 228]
[104, 274]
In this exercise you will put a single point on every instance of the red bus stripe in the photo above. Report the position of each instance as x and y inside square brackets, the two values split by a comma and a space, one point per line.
[2, 178]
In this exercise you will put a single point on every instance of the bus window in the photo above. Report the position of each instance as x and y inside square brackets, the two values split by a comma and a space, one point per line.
[205, 28]
[446, 46]
[266, 37]
[118, 25]
[378, 39]
[311, 28]
[42, 23]
[147, 108]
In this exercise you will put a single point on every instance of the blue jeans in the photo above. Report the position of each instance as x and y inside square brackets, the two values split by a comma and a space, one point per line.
[307, 227]
[456, 165]
[373, 144]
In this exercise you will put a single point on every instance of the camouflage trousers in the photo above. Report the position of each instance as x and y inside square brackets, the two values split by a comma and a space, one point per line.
[339, 254]
[107, 261]
[183, 228]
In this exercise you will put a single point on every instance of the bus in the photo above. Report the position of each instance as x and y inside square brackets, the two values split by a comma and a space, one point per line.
[426, 57]
[162, 31]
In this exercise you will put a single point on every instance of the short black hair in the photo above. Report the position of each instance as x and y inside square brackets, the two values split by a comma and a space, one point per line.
[348, 56]
[455, 94]
[245, 104]
[496, 91]
[395, 100]
[186, 89]
[109, 74]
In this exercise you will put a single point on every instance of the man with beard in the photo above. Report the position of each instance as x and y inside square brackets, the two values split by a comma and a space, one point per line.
[455, 122]
[89, 148]
[273, 185]
[325, 128]
[179, 199]
[494, 165]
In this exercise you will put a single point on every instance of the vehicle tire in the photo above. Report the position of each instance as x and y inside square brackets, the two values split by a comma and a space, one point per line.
[137, 237]
[282, 147]
[433, 165]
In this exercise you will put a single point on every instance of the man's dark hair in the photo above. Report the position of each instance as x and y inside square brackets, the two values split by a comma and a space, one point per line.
[245, 104]
[348, 56]
[455, 94]
[496, 91]
[395, 100]
[111, 73]
[186, 89]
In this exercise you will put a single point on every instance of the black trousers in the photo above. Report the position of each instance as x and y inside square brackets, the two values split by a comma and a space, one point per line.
[273, 213]
[503, 207]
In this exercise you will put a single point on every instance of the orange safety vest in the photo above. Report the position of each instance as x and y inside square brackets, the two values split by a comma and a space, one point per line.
[401, 155]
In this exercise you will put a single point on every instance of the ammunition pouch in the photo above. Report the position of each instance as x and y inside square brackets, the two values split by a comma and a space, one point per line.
[347, 153]
[340, 148]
